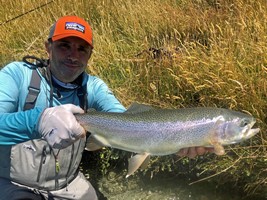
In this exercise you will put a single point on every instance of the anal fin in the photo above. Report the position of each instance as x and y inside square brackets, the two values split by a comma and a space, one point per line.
[136, 161]
[145, 163]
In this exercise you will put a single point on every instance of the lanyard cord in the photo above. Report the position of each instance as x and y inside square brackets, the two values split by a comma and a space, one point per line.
[57, 167]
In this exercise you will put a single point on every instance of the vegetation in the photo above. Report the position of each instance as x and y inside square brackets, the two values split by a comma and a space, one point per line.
[168, 53]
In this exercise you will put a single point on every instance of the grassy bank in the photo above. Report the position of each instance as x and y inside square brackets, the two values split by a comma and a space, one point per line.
[168, 53]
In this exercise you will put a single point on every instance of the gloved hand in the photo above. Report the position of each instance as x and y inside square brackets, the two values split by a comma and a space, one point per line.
[59, 126]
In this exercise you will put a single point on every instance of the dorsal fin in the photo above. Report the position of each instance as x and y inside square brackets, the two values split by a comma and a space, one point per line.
[138, 108]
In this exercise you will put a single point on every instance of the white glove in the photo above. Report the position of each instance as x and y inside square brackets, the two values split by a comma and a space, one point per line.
[59, 127]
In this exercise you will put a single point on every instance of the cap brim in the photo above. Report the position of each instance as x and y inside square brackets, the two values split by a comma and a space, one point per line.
[59, 37]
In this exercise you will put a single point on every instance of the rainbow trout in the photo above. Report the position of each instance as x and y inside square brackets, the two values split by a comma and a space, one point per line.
[150, 131]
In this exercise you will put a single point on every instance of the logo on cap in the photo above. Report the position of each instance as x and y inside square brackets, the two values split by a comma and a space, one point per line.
[74, 26]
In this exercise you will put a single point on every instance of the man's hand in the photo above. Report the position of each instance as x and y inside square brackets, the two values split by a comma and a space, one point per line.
[59, 126]
[195, 151]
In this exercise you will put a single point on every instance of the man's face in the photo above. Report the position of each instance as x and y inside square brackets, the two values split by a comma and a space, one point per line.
[68, 58]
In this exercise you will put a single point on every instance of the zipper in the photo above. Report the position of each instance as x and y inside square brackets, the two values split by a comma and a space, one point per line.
[42, 162]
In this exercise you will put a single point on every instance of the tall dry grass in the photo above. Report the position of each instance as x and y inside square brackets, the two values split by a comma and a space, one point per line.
[167, 53]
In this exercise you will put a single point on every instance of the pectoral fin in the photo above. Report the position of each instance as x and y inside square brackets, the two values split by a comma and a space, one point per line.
[136, 161]
[218, 148]
[92, 144]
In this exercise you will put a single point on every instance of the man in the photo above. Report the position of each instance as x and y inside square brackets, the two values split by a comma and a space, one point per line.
[41, 147]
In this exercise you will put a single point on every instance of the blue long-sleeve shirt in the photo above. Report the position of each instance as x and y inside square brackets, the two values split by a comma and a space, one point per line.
[18, 126]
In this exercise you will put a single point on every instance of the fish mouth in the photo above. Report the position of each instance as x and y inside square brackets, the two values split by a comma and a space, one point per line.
[249, 131]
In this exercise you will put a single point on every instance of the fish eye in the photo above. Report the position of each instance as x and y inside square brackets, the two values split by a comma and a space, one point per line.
[244, 123]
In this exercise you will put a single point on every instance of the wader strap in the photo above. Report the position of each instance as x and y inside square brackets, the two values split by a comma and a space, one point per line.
[34, 89]
[82, 95]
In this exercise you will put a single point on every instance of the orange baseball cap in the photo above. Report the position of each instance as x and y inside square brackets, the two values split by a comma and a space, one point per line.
[68, 26]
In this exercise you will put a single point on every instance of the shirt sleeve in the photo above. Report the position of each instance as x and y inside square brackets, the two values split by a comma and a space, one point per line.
[16, 126]
[19, 127]
[101, 98]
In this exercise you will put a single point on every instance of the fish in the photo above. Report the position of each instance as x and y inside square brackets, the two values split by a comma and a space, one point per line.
[149, 131]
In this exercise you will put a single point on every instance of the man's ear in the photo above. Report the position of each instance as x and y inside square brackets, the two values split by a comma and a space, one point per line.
[48, 46]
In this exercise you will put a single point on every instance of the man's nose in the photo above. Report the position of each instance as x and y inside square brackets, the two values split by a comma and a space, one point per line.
[73, 54]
